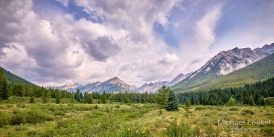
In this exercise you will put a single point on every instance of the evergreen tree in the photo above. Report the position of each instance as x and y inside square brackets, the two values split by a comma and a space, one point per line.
[261, 101]
[231, 102]
[57, 95]
[187, 107]
[126, 97]
[251, 101]
[5, 95]
[90, 99]
[172, 102]
[45, 96]
[162, 96]
[31, 100]
[77, 95]
[103, 98]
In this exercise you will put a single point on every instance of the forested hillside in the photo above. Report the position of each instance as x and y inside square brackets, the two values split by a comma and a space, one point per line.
[11, 78]
[251, 94]
[260, 70]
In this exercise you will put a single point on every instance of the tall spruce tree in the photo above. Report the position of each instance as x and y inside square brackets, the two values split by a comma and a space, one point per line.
[172, 102]
[162, 96]
[90, 99]
[5, 95]
[3, 86]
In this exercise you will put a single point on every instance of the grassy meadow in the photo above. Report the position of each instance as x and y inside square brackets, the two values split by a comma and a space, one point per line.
[18, 117]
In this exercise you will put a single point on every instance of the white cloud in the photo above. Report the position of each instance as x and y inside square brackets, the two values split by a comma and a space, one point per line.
[60, 49]
[196, 47]
[64, 2]
[204, 29]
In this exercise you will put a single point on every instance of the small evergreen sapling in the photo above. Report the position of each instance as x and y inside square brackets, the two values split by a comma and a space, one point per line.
[172, 102]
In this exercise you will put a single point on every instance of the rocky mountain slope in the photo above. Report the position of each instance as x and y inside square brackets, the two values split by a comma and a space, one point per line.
[117, 85]
[112, 85]
[223, 63]
[154, 86]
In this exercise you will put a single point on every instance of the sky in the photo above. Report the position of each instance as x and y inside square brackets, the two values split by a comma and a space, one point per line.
[57, 42]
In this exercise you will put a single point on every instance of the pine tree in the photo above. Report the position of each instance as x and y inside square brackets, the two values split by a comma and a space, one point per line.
[126, 97]
[77, 95]
[45, 96]
[251, 101]
[231, 102]
[90, 99]
[172, 102]
[3, 86]
[57, 101]
[188, 104]
[5, 95]
[162, 96]
[103, 98]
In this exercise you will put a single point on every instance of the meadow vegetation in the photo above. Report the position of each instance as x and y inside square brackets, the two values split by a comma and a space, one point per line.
[19, 117]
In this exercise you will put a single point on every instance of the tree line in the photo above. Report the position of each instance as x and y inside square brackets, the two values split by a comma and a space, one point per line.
[124, 97]
[250, 94]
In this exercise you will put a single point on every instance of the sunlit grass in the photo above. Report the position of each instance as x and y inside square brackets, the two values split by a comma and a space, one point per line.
[116, 119]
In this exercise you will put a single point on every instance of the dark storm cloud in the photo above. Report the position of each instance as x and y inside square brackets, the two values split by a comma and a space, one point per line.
[102, 48]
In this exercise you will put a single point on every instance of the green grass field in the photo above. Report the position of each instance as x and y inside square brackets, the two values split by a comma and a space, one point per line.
[20, 118]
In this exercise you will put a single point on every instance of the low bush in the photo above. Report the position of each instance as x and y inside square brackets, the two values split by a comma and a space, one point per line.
[20, 105]
[96, 107]
[200, 108]
[248, 111]
[31, 116]
[4, 118]
[233, 109]
[135, 131]
[178, 130]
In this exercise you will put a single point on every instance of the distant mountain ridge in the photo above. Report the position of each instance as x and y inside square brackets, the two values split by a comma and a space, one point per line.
[117, 85]
[153, 87]
[112, 85]
[223, 63]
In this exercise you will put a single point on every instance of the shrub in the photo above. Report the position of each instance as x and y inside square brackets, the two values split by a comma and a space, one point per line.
[18, 118]
[248, 111]
[178, 130]
[200, 108]
[269, 131]
[4, 119]
[21, 105]
[233, 109]
[31, 100]
[160, 112]
[31, 116]
[117, 106]
[96, 107]
[60, 113]
[135, 131]
[37, 116]
[20, 128]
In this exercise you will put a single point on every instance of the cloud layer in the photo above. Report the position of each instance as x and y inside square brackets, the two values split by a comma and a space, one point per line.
[65, 41]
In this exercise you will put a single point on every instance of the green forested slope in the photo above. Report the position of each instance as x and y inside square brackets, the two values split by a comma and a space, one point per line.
[257, 71]
[260, 70]
[11, 78]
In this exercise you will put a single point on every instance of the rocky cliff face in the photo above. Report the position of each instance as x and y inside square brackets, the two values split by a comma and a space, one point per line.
[228, 61]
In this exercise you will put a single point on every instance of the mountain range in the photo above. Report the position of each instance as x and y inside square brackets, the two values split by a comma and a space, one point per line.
[230, 68]
[117, 85]
[222, 64]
